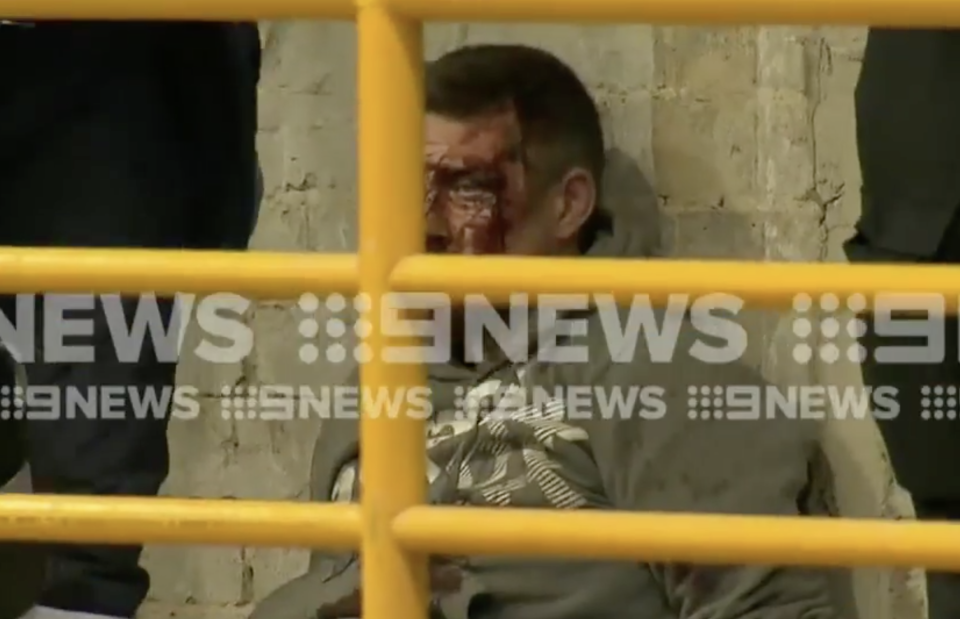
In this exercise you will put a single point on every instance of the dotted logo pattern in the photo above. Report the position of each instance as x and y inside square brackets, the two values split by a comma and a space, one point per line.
[11, 403]
[829, 329]
[239, 402]
[335, 328]
[705, 402]
[938, 403]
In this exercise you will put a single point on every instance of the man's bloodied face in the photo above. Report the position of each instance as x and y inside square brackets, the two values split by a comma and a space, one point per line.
[478, 198]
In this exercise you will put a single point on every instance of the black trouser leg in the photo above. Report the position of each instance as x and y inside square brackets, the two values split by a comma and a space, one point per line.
[22, 565]
[924, 450]
[943, 588]
[110, 456]
[111, 175]
[925, 453]
[72, 453]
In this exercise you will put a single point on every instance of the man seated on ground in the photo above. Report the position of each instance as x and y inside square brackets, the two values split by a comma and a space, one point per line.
[514, 162]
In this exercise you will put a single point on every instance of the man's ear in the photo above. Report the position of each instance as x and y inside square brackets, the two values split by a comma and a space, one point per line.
[577, 200]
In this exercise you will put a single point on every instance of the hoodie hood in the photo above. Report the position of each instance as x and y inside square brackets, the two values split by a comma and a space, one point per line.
[620, 235]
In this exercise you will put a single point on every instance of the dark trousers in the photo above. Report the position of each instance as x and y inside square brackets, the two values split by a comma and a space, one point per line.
[925, 453]
[107, 172]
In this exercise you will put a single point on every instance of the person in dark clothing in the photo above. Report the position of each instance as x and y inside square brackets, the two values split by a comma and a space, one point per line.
[515, 154]
[115, 134]
[908, 139]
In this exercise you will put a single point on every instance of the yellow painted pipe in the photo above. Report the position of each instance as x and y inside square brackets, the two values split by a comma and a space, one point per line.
[587, 534]
[273, 275]
[904, 13]
[286, 275]
[706, 539]
[390, 114]
[761, 284]
[929, 13]
[217, 10]
[135, 520]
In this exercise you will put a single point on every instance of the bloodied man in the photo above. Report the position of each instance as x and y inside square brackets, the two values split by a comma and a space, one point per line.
[515, 154]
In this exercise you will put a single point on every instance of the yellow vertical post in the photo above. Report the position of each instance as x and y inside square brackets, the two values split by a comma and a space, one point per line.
[390, 103]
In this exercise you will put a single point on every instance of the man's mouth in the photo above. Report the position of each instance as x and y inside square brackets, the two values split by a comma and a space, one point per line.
[437, 244]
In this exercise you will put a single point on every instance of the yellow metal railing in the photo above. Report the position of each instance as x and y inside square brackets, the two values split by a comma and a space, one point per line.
[391, 526]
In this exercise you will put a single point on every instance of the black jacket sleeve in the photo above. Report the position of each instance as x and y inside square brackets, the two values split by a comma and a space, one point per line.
[212, 71]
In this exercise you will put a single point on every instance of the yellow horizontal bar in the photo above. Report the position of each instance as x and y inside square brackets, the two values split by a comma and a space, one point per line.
[122, 520]
[761, 284]
[200, 10]
[705, 539]
[285, 275]
[274, 275]
[587, 534]
[905, 13]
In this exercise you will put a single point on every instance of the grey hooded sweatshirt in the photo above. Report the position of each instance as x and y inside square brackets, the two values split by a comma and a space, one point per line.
[552, 455]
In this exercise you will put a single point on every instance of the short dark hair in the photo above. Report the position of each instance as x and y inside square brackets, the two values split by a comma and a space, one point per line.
[558, 117]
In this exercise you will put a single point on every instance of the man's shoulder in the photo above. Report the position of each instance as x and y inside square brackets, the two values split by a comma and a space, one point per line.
[682, 374]
[664, 342]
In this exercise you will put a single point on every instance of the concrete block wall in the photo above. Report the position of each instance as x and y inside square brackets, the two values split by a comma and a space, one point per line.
[744, 135]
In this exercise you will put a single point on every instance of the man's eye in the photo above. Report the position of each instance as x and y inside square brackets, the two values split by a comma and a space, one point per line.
[480, 182]
[466, 184]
